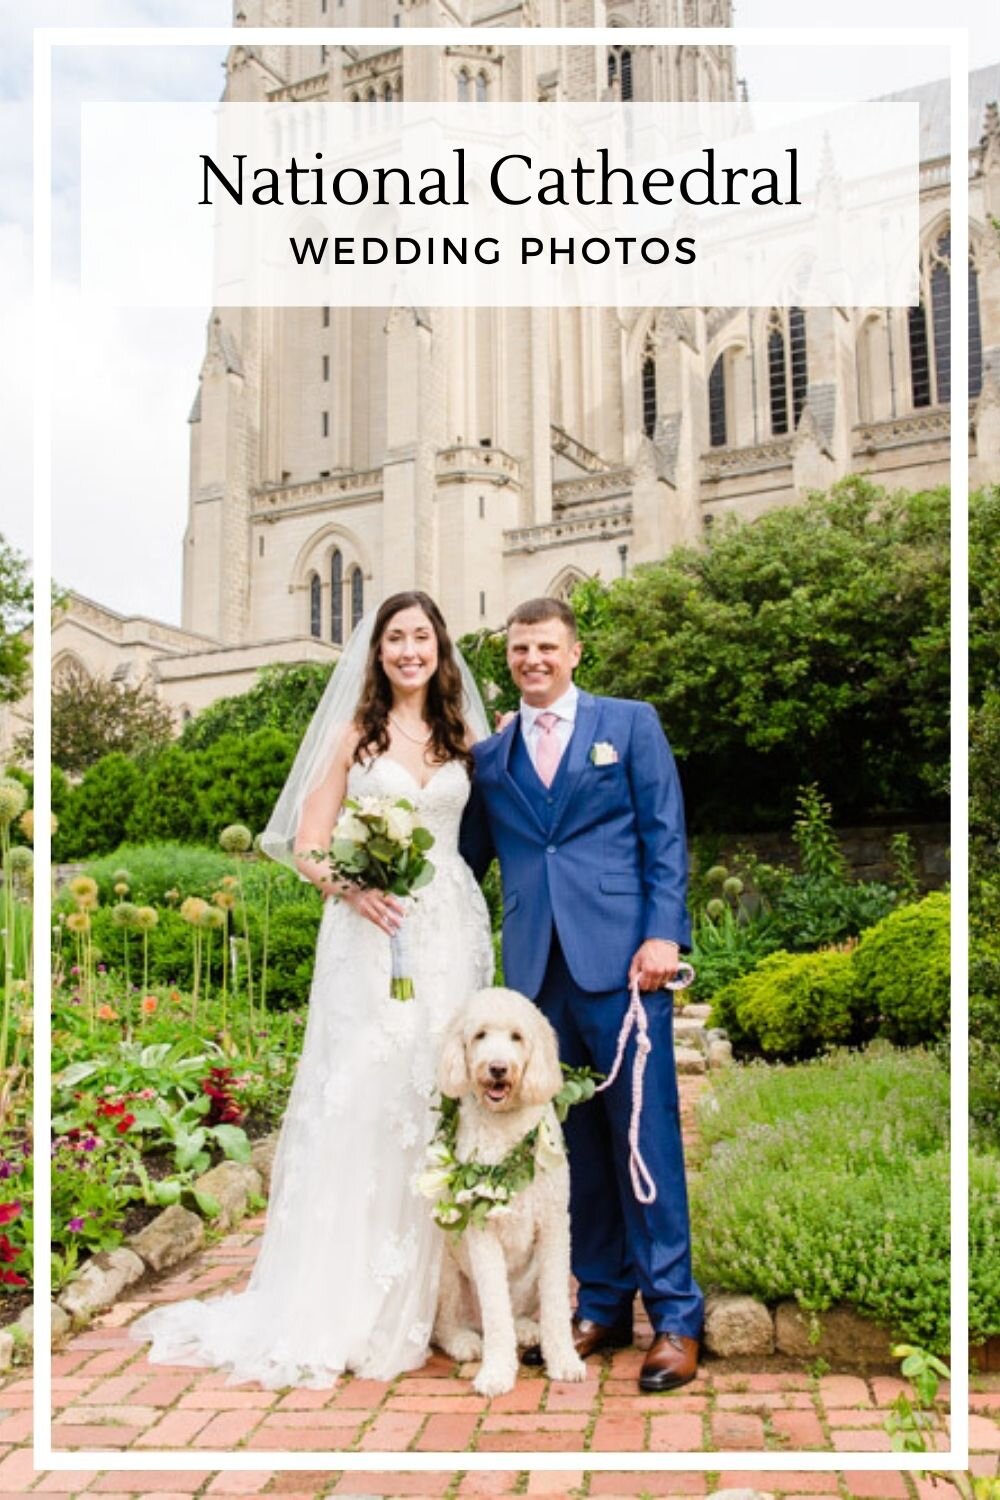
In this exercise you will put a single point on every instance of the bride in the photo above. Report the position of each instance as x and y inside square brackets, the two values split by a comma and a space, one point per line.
[347, 1274]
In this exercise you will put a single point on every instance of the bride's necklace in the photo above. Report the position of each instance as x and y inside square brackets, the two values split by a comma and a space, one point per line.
[414, 738]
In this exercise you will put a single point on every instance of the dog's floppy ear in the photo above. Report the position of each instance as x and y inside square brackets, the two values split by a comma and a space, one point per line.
[542, 1077]
[453, 1070]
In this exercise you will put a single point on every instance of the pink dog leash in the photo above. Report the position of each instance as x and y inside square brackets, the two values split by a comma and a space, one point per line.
[635, 1017]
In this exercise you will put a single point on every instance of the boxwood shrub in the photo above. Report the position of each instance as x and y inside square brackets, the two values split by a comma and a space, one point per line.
[792, 1004]
[903, 965]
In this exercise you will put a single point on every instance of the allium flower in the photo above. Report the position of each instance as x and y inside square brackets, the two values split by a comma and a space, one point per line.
[172, 895]
[149, 1004]
[733, 886]
[716, 875]
[236, 839]
[715, 908]
[225, 900]
[122, 877]
[13, 798]
[146, 918]
[26, 823]
[228, 882]
[83, 887]
[22, 861]
[78, 921]
[121, 888]
[123, 915]
[213, 917]
[192, 908]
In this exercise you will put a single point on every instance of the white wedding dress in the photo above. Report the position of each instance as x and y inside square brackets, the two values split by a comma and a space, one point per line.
[347, 1273]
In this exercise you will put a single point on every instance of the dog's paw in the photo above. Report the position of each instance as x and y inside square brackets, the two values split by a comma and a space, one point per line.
[527, 1331]
[495, 1380]
[464, 1345]
[568, 1366]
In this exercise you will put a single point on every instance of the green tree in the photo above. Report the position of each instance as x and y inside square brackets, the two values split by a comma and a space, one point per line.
[15, 616]
[984, 591]
[240, 778]
[92, 717]
[283, 697]
[168, 804]
[94, 816]
[809, 645]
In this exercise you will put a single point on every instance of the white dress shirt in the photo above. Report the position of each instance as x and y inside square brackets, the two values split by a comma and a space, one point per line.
[565, 707]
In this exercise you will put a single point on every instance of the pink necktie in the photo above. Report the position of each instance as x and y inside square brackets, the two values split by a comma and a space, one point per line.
[548, 750]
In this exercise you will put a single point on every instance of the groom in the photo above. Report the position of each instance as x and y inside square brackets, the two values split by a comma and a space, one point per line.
[579, 799]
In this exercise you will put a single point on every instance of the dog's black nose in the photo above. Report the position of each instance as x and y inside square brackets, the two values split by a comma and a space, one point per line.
[498, 1070]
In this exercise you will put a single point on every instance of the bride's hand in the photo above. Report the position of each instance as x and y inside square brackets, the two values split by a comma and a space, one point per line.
[377, 907]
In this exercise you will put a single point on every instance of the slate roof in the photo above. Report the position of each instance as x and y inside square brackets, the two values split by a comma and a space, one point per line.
[933, 98]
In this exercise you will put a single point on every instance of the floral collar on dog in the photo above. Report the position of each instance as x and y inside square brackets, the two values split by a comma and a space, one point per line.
[470, 1192]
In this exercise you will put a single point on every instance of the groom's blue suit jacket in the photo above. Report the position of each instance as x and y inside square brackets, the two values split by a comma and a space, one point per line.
[601, 855]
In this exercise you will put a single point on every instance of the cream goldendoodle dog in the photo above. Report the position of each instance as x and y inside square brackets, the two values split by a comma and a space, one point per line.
[507, 1282]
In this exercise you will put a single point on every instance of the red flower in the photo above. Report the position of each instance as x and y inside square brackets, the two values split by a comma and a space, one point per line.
[219, 1087]
[124, 1123]
[7, 1252]
[11, 1278]
[8, 1213]
[108, 1109]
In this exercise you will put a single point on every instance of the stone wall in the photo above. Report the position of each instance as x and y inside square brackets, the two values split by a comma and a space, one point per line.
[867, 850]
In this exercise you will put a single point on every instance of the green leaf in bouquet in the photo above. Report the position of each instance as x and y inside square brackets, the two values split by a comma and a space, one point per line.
[381, 849]
[423, 839]
[405, 804]
[344, 852]
[424, 877]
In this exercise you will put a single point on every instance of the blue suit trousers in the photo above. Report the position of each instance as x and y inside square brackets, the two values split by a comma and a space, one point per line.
[620, 1245]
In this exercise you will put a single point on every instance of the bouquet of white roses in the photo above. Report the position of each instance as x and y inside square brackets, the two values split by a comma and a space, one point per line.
[379, 845]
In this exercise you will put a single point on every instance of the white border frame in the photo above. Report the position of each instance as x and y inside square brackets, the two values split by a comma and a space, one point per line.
[956, 40]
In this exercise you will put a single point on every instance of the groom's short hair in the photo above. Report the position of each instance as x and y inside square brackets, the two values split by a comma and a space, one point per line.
[534, 611]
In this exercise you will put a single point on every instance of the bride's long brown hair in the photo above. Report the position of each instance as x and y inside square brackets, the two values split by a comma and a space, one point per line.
[444, 691]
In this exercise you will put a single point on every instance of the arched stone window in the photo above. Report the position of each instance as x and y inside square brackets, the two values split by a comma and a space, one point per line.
[717, 404]
[337, 597]
[649, 389]
[315, 606]
[787, 368]
[463, 87]
[620, 67]
[929, 328]
[357, 596]
[387, 92]
[482, 88]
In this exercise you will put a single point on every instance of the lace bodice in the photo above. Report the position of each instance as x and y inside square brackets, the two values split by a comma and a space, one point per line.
[439, 804]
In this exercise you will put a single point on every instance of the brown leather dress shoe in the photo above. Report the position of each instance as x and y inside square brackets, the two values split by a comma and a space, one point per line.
[588, 1338]
[671, 1360]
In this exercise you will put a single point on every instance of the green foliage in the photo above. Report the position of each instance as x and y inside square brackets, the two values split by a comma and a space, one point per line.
[792, 1004]
[96, 814]
[984, 1248]
[811, 643]
[291, 949]
[156, 869]
[241, 776]
[903, 967]
[168, 805]
[485, 653]
[93, 717]
[15, 616]
[984, 592]
[828, 1182]
[283, 698]
[726, 946]
[814, 911]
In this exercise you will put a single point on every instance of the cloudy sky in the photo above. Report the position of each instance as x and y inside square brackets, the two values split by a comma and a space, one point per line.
[123, 381]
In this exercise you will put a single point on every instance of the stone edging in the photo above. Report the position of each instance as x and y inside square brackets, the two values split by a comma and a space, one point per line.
[175, 1234]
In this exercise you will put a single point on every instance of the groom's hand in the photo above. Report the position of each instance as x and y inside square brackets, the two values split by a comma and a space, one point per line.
[655, 962]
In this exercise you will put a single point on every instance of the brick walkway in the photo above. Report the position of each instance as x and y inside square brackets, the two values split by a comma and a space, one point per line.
[106, 1395]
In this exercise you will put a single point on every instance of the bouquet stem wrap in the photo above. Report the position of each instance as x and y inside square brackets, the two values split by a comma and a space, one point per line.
[401, 983]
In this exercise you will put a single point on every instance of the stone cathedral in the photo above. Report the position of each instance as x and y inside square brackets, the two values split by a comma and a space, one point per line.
[488, 455]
